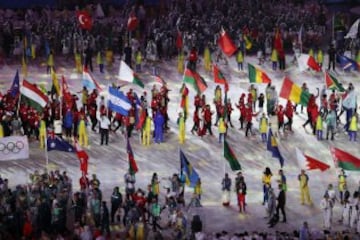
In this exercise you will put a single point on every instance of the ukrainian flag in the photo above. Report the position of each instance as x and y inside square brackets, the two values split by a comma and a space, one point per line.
[191, 176]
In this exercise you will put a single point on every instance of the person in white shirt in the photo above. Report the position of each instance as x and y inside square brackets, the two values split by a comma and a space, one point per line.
[104, 129]
[327, 205]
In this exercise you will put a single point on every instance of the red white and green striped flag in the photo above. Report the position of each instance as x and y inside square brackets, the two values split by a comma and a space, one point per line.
[132, 164]
[127, 74]
[33, 95]
[195, 80]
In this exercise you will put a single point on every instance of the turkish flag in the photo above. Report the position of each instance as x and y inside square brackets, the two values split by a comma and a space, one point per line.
[84, 19]
[83, 158]
[226, 44]
[133, 22]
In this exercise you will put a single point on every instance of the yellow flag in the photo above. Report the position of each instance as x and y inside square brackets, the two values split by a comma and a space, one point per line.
[248, 43]
[55, 82]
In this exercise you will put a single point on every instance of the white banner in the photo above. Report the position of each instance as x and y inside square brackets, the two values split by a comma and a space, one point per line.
[15, 147]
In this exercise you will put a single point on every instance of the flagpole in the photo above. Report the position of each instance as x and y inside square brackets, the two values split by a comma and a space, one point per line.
[46, 150]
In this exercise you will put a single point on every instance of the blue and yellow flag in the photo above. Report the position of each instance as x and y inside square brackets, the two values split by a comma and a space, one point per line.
[191, 176]
[272, 146]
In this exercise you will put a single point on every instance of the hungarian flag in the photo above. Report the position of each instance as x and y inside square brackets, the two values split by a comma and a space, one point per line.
[84, 19]
[132, 164]
[133, 22]
[195, 80]
[179, 41]
[306, 61]
[66, 93]
[34, 96]
[345, 160]
[332, 83]
[127, 74]
[226, 44]
[219, 77]
[230, 156]
[309, 163]
[83, 158]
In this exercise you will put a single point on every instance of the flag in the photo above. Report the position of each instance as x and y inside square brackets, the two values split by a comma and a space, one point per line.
[89, 81]
[179, 41]
[99, 11]
[354, 30]
[332, 83]
[230, 156]
[84, 19]
[293, 92]
[345, 160]
[83, 158]
[55, 82]
[248, 43]
[142, 119]
[277, 41]
[132, 164]
[219, 77]
[160, 80]
[226, 44]
[346, 63]
[15, 87]
[118, 102]
[14, 147]
[306, 61]
[349, 101]
[127, 74]
[133, 22]
[257, 76]
[196, 81]
[66, 93]
[300, 34]
[59, 144]
[272, 146]
[34, 96]
[191, 176]
[309, 163]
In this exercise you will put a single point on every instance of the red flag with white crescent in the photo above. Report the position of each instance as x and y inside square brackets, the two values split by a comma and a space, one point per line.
[84, 19]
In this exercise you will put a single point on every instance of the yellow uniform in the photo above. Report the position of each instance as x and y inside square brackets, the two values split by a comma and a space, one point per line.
[240, 57]
[50, 61]
[218, 94]
[353, 124]
[222, 125]
[42, 133]
[198, 189]
[207, 59]
[319, 123]
[311, 52]
[33, 51]
[1, 131]
[263, 125]
[138, 58]
[304, 189]
[181, 130]
[320, 57]
[84, 97]
[146, 132]
[274, 56]
[109, 57]
[181, 63]
[99, 58]
[82, 132]
[266, 179]
[140, 231]
[342, 183]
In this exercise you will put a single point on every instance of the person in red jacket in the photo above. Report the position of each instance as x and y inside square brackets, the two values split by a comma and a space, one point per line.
[280, 115]
[310, 105]
[196, 119]
[248, 118]
[289, 113]
[219, 111]
[241, 106]
[92, 113]
[314, 113]
[197, 101]
[207, 115]
[193, 57]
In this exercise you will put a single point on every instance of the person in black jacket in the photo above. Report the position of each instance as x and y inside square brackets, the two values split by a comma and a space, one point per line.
[88, 58]
[196, 224]
[105, 226]
[116, 202]
[281, 203]
[332, 56]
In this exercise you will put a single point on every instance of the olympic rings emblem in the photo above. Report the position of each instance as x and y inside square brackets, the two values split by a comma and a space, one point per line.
[11, 147]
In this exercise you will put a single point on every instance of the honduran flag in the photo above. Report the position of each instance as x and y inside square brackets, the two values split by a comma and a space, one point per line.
[89, 82]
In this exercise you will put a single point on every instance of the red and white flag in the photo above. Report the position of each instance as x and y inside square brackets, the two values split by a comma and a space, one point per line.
[84, 19]
[305, 61]
[309, 163]
[83, 158]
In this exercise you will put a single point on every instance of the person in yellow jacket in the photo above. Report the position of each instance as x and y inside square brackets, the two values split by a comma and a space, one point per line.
[180, 64]
[222, 129]
[109, 57]
[217, 94]
[155, 184]
[138, 61]
[207, 59]
[311, 52]
[50, 62]
[320, 57]
[100, 61]
[353, 127]
[274, 59]
[78, 64]
[263, 127]
[42, 133]
[266, 180]
[181, 123]
[303, 179]
[146, 134]
[140, 231]
[319, 127]
[240, 60]
[198, 189]
[342, 185]
[82, 132]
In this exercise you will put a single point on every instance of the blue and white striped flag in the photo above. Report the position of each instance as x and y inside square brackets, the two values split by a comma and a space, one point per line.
[118, 102]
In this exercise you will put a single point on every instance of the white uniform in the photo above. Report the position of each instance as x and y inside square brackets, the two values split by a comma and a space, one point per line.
[354, 213]
[327, 206]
